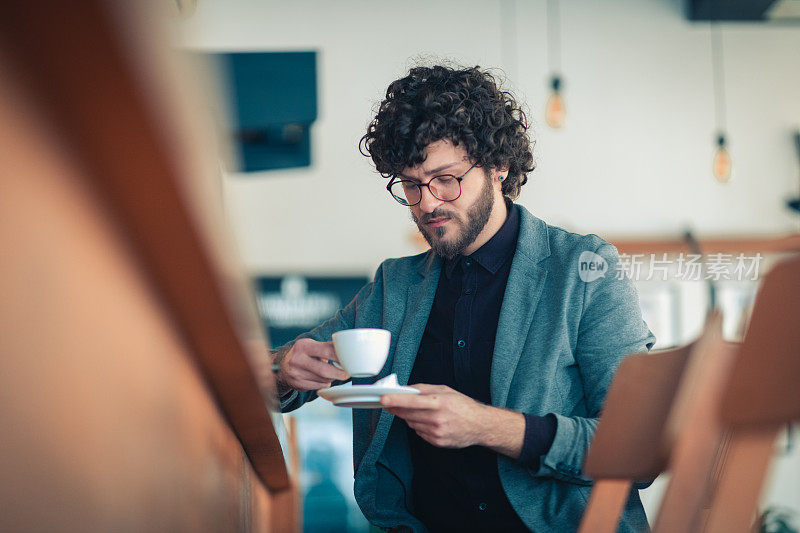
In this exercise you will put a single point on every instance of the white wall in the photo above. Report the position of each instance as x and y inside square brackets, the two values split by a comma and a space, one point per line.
[634, 158]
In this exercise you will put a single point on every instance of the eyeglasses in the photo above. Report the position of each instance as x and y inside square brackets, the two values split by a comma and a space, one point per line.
[445, 187]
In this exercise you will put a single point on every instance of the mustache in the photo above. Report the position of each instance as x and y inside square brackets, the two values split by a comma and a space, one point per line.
[436, 213]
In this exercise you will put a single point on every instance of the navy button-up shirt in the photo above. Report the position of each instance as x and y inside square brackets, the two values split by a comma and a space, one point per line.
[459, 489]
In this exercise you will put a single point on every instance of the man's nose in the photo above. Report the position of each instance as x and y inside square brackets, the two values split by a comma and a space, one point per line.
[428, 202]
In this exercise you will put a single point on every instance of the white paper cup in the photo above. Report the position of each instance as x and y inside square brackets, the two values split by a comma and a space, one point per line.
[362, 352]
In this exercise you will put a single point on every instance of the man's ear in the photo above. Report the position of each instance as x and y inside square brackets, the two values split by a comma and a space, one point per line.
[498, 177]
[500, 174]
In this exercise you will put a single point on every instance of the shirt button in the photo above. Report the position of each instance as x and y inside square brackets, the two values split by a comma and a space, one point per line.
[467, 291]
[461, 343]
[482, 506]
[468, 262]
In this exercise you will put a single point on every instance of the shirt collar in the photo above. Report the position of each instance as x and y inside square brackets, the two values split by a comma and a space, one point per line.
[496, 250]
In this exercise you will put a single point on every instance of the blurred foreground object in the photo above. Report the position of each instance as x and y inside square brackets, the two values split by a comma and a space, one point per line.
[709, 413]
[627, 444]
[129, 397]
[760, 397]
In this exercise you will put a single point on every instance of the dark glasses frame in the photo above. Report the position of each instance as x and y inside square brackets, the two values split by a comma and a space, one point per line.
[404, 201]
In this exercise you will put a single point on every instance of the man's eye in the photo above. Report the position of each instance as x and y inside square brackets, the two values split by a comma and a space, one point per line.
[408, 185]
[445, 179]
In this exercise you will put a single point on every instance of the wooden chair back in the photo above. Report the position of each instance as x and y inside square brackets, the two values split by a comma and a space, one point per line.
[760, 396]
[627, 444]
[694, 433]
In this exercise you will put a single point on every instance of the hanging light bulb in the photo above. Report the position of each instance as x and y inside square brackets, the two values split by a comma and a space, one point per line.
[555, 111]
[721, 166]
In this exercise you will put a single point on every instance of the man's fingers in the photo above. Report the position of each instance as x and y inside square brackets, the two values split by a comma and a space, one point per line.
[303, 385]
[312, 385]
[323, 369]
[322, 350]
[428, 438]
[415, 416]
[298, 376]
[408, 401]
[425, 388]
[422, 429]
[316, 380]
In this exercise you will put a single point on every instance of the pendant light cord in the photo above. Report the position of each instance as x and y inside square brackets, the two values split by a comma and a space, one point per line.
[508, 41]
[553, 37]
[719, 76]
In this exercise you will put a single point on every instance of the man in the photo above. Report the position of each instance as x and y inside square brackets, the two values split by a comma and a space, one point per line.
[511, 340]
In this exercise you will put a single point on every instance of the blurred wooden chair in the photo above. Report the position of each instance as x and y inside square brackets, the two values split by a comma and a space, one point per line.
[759, 398]
[710, 411]
[724, 428]
[693, 434]
[627, 444]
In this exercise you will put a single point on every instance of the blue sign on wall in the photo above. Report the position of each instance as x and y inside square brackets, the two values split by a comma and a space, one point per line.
[273, 98]
[293, 304]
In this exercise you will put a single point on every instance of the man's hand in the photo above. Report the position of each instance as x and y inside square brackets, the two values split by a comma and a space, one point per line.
[306, 366]
[449, 419]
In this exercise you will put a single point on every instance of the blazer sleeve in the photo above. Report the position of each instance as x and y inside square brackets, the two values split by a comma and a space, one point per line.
[610, 328]
[344, 318]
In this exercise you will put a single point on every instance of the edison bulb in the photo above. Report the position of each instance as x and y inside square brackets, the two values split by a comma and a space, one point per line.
[555, 110]
[721, 166]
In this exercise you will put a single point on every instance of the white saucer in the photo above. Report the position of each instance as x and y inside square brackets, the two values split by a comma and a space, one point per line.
[361, 396]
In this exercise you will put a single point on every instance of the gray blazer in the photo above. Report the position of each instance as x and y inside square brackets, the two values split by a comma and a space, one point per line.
[559, 342]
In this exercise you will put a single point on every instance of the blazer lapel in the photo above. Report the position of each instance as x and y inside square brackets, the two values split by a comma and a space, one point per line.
[418, 307]
[523, 290]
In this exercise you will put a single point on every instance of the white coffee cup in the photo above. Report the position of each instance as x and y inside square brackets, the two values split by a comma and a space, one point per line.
[362, 352]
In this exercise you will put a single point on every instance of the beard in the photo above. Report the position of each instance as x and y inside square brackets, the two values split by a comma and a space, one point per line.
[476, 218]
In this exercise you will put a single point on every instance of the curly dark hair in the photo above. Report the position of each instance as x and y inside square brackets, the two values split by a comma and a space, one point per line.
[464, 105]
